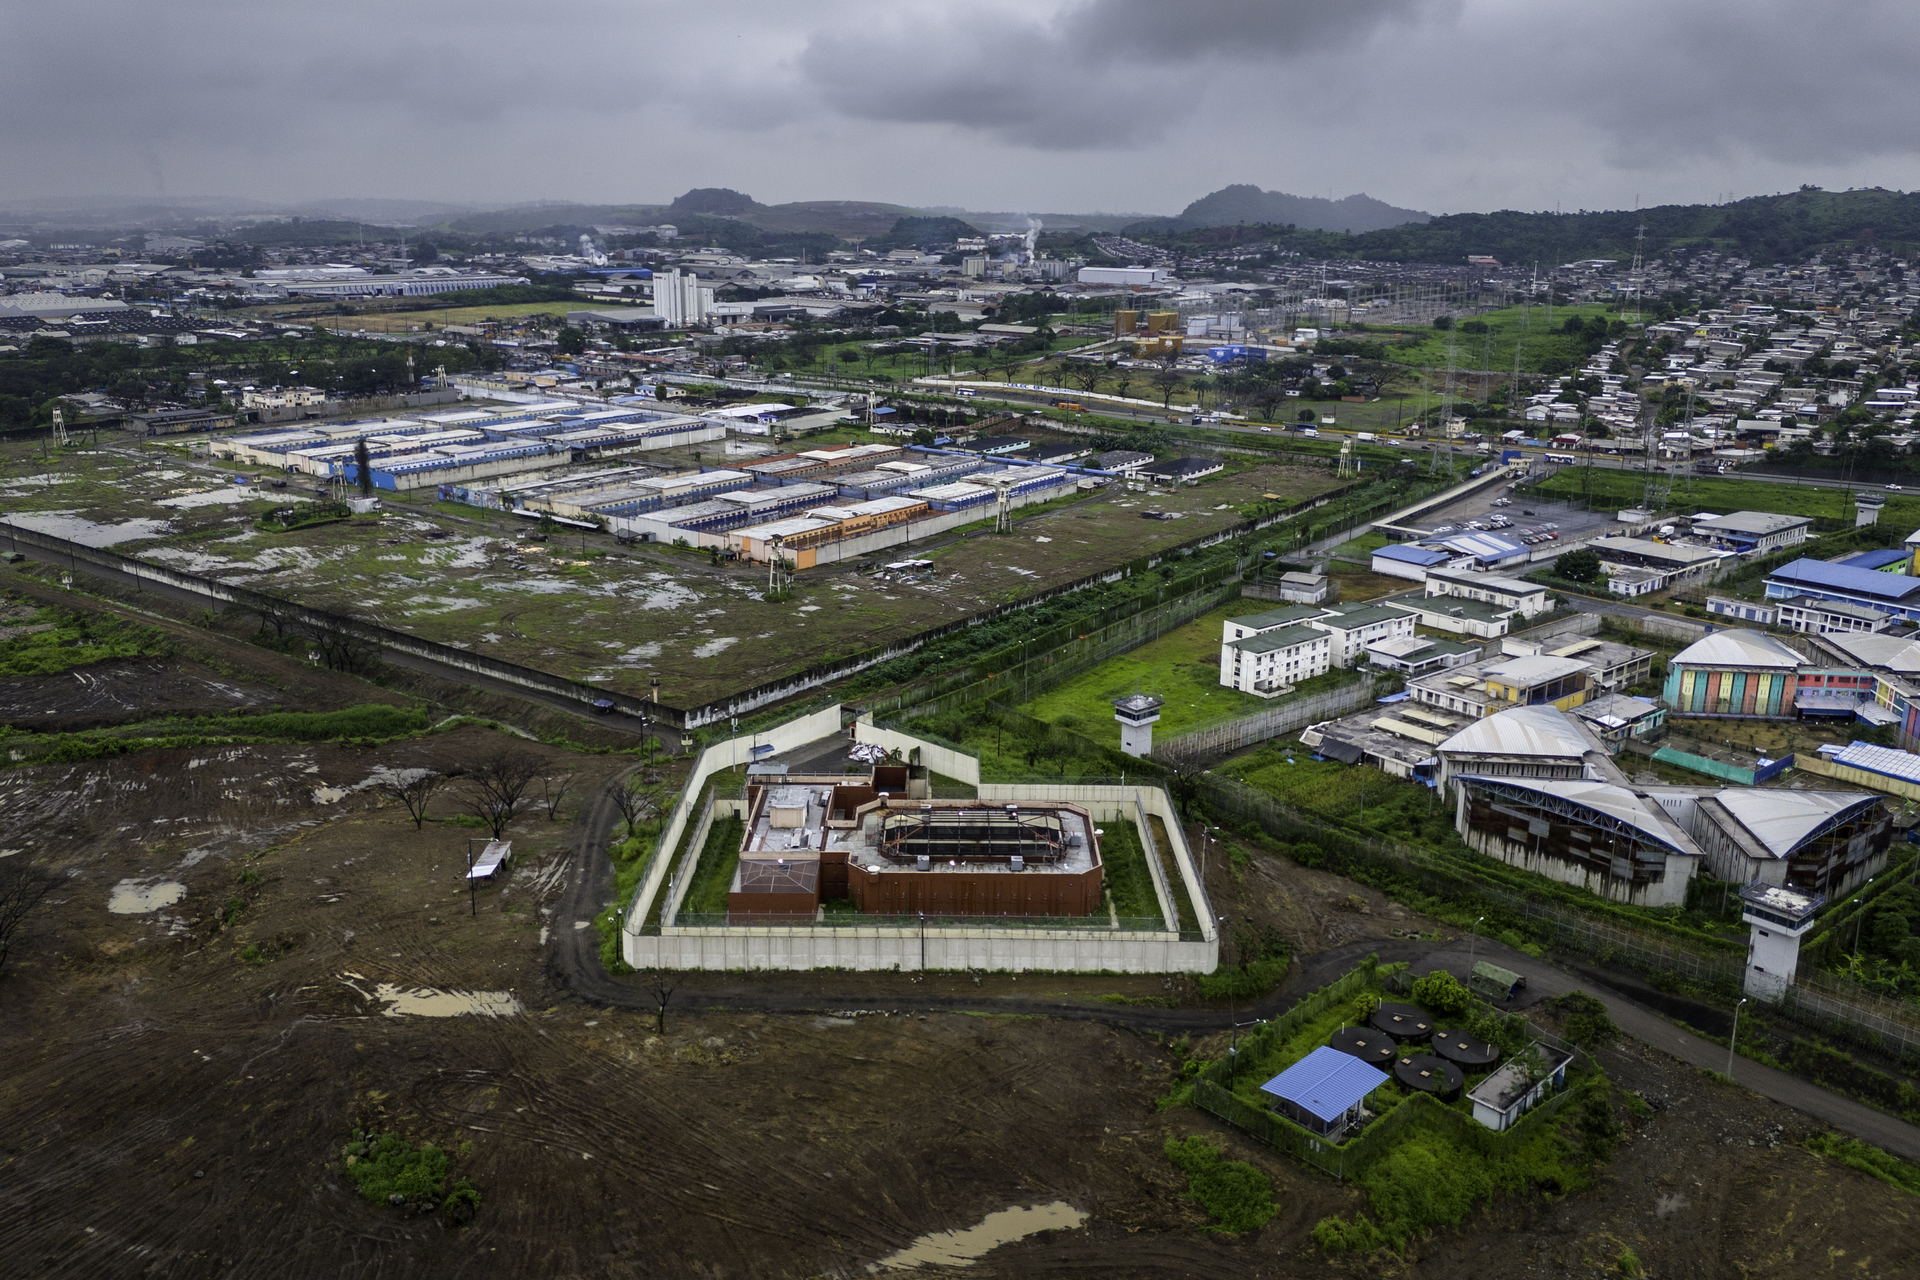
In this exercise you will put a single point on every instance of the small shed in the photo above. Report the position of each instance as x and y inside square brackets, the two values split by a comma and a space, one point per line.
[1491, 982]
[1508, 1093]
[491, 859]
[1323, 1091]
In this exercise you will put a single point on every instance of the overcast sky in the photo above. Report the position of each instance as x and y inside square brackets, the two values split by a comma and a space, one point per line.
[1078, 105]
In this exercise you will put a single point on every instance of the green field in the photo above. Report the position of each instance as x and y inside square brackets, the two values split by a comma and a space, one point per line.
[1607, 487]
[1510, 328]
[1183, 667]
[1363, 797]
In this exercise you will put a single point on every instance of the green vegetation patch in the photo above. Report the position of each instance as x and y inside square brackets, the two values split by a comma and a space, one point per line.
[1870, 1160]
[1237, 1196]
[74, 640]
[388, 1169]
[1355, 796]
[1127, 878]
[713, 875]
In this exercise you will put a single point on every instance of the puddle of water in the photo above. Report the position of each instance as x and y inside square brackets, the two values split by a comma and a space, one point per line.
[427, 1002]
[86, 532]
[224, 497]
[714, 648]
[138, 897]
[963, 1248]
[328, 795]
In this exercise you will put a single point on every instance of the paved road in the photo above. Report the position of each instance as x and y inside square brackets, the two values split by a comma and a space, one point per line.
[1545, 981]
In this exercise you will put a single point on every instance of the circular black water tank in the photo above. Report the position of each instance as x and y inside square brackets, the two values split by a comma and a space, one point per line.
[1403, 1021]
[1429, 1074]
[1372, 1047]
[1468, 1051]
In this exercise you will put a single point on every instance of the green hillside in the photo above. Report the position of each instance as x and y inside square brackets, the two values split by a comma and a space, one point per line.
[1764, 228]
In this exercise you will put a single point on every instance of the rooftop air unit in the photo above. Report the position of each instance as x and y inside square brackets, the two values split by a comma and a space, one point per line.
[924, 862]
[1018, 863]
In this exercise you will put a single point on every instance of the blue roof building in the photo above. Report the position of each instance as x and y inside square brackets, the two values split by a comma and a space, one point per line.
[1401, 561]
[1883, 560]
[1891, 593]
[1323, 1091]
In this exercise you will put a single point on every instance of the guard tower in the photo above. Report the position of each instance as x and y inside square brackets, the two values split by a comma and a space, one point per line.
[1137, 713]
[1866, 508]
[1779, 918]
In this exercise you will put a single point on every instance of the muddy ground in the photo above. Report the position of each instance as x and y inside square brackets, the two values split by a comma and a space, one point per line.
[178, 1089]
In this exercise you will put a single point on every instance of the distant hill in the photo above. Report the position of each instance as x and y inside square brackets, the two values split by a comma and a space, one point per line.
[1244, 202]
[1763, 228]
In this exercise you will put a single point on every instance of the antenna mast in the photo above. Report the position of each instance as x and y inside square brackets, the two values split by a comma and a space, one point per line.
[1633, 277]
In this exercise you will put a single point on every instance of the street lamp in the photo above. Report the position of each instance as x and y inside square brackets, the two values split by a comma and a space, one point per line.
[1473, 937]
[1859, 918]
[1734, 1039]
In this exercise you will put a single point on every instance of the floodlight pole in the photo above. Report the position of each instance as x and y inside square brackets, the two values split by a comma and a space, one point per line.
[1734, 1039]
[473, 894]
[923, 942]
[1859, 918]
[1473, 937]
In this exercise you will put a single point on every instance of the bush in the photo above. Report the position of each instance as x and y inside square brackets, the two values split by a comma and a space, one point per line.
[1441, 992]
[1587, 1022]
[1337, 1235]
[391, 1167]
[1236, 1195]
[462, 1204]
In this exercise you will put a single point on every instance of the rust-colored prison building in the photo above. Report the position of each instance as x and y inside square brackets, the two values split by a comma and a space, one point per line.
[893, 852]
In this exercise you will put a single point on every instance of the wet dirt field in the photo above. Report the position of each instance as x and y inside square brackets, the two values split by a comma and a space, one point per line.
[182, 1076]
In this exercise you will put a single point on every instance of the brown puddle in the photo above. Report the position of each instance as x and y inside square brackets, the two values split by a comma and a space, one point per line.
[963, 1248]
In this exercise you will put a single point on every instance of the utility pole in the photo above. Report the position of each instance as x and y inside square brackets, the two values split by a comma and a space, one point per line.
[1734, 1039]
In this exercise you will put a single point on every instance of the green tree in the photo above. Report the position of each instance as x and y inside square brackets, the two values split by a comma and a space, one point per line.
[1579, 566]
[571, 341]
[1441, 992]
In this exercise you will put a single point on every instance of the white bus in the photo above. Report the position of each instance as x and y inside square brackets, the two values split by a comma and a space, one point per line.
[1562, 459]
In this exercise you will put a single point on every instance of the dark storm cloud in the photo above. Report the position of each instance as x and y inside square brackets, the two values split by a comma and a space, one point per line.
[1095, 74]
[1118, 104]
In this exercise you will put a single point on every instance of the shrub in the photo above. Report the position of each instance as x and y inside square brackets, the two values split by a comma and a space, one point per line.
[1237, 1196]
[1587, 1022]
[462, 1204]
[1337, 1235]
[392, 1167]
[1441, 992]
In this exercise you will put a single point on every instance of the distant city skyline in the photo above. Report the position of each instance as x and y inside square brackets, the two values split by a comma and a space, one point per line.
[1072, 106]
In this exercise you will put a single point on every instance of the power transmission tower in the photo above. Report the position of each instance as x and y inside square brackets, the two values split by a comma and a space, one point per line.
[1633, 277]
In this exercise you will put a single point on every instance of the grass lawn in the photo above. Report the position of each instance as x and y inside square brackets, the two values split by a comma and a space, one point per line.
[1182, 666]
[1723, 494]
[407, 321]
[713, 874]
[1511, 327]
[1127, 877]
[1356, 795]
[1363, 547]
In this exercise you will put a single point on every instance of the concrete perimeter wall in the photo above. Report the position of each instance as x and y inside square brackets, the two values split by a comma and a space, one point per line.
[856, 947]
[721, 755]
[955, 764]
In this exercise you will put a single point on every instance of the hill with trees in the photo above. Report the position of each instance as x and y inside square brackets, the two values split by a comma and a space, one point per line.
[1773, 228]
[1244, 202]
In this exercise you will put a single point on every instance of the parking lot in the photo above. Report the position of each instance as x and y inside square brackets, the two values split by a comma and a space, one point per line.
[1570, 522]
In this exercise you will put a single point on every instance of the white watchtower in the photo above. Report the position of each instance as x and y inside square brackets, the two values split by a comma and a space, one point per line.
[1779, 918]
[1137, 713]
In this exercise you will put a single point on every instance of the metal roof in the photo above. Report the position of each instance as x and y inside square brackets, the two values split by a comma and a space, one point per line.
[1411, 555]
[1756, 523]
[1781, 821]
[1523, 731]
[1484, 546]
[1280, 638]
[1537, 669]
[1325, 1083]
[1743, 649]
[1903, 765]
[1845, 577]
[1615, 802]
[1878, 559]
[1283, 616]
